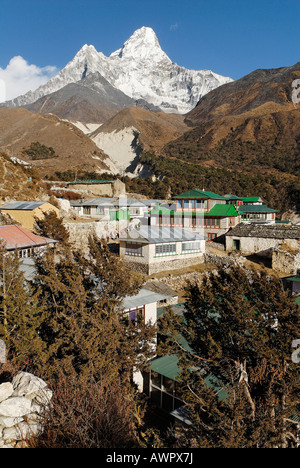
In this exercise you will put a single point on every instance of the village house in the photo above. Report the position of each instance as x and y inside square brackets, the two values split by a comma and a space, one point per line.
[25, 212]
[255, 213]
[203, 212]
[152, 249]
[262, 239]
[97, 208]
[100, 188]
[17, 238]
[136, 208]
[113, 209]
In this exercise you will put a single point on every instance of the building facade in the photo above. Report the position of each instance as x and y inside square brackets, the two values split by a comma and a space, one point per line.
[206, 213]
[152, 249]
[25, 212]
[262, 239]
[25, 242]
[100, 188]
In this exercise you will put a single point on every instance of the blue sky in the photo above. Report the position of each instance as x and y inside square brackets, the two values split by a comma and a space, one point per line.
[230, 37]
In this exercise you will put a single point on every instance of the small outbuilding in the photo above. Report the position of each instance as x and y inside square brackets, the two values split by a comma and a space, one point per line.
[25, 212]
[262, 239]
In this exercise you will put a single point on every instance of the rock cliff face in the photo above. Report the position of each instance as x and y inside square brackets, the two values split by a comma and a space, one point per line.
[22, 403]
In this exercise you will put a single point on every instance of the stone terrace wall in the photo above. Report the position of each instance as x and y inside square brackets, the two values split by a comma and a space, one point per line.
[22, 403]
[285, 262]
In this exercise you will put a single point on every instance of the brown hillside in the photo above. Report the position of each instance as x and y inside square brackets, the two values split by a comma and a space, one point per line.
[155, 129]
[250, 124]
[15, 183]
[260, 88]
[74, 150]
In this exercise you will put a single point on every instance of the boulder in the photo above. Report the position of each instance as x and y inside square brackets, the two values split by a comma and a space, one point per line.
[25, 384]
[15, 407]
[6, 391]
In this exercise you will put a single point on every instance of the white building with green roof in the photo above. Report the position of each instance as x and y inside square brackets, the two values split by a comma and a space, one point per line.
[204, 212]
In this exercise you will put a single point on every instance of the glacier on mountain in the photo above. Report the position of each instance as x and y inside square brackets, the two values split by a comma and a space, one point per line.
[141, 70]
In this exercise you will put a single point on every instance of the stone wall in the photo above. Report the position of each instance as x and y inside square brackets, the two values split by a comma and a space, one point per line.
[22, 403]
[80, 231]
[225, 262]
[285, 262]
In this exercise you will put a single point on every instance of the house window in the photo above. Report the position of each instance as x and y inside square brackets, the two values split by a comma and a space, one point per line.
[200, 205]
[214, 222]
[134, 250]
[179, 204]
[190, 247]
[163, 250]
[100, 210]
[87, 210]
[135, 211]
[211, 236]
[135, 315]
[26, 253]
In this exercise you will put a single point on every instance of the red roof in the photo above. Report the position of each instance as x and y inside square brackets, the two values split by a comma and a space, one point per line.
[16, 237]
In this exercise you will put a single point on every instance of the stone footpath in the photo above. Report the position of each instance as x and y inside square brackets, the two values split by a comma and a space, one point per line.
[22, 404]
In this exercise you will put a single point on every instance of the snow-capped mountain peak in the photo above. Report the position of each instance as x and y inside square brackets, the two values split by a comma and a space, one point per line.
[140, 69]
[143, 44]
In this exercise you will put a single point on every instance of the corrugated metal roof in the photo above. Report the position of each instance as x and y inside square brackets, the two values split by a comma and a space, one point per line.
[273, 231]
[199, 194]
[22, 205]
[168, 367]
[98, 202]
[92, 182]
[16, 237]
[160, 235]
[144, 297]
[126, 202]
[256, 209]
[223, 211]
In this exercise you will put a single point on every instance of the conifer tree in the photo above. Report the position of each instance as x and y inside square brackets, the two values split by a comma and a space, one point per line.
[239, 382]
[52, 226]
[83, 326]
[20, 314]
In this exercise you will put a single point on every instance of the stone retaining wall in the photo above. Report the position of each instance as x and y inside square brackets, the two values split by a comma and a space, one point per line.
[285, 262]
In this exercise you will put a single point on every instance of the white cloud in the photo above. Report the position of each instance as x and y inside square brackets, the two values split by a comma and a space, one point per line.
[19, 77]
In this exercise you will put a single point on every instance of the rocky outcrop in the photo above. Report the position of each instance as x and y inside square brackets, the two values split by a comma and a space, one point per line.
[22, 405]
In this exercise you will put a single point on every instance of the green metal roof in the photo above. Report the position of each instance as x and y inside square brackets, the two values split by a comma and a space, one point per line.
[92, 182]
[217, 210]
[168, 367]
[251, 199]
[223, 211]
[297, 301]
[294, 279]
[256, 209]
[194, 194]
